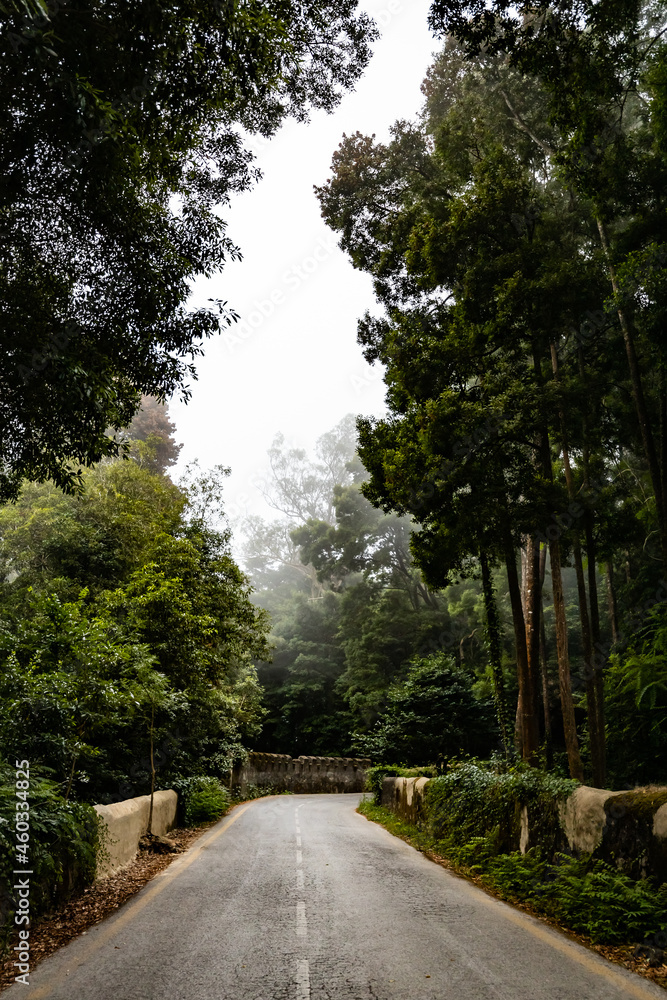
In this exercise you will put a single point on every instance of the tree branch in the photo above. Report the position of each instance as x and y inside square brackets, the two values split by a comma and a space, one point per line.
[544, 146]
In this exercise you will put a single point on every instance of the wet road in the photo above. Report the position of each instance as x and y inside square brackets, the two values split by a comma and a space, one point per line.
[298, 897]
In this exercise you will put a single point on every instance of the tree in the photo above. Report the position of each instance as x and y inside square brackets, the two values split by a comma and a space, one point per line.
[431, 717]
[94, 539]
[125, 135]
[301, 488]
[65, 692]
[151, 426]
[190, 603]
[307, 713]
[348, 607]
[602, 67]
[151, 693]
[483, 262]
[165, 636]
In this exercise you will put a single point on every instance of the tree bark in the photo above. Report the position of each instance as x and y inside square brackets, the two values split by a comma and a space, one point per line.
[564, 680]
[544, 663]
[150, 810]
[529, 731]
[596, 666]
[532, 608]
[638, 398]
[596, 662]
[495, 649]
[584, 618]
[611, 600]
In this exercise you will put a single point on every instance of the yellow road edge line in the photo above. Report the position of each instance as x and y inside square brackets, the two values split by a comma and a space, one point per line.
[137, 905]
[578, 952]
[573, 949]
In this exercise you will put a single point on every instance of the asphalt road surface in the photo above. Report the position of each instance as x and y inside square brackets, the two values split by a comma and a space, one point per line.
[299, 897]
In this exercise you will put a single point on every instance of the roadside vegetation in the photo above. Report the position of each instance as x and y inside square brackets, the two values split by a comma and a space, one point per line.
[474, 583]
[585, 895]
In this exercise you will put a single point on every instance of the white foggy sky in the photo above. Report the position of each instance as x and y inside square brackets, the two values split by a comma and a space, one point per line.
[297, 368]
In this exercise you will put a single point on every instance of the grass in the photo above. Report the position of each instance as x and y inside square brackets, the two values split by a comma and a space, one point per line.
[583, 895]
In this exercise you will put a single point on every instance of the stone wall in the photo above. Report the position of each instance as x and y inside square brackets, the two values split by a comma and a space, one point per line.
[302, 774]
[405, 797]
[627, 829]
[126, 822]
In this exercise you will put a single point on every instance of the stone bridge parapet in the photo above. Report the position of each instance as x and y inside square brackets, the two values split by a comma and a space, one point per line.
[302, 774]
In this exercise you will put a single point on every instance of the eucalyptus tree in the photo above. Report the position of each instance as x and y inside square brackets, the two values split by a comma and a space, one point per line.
[482, 261]
[602, 67]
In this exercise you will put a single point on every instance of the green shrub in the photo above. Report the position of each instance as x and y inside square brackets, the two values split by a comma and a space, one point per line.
[585, 894]
[63, 847]
[480, 799]
[200, 799]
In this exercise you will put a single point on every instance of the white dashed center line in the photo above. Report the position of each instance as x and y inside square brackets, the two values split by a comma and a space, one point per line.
[302, 969]
[301, 924]
[302, 981]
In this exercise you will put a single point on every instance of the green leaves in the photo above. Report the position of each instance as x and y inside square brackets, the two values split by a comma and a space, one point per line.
[135, 121]
[169, 641]
[431, 716]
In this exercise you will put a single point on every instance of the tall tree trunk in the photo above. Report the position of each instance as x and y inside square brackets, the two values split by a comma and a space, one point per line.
[663, 434]
[593, 712]
[564, 680]
[495, 649]
[611, 599]
[598, 660]
[529, 730]
[532, 606]
[638, 398]
[152, 735]
[544, 663]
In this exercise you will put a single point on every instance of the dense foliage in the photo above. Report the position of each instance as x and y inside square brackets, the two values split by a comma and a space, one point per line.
[353, 621]
[126, 635]
[64, 846]
[480, 800]
[125, 129]
[515, 236]
[432, 715]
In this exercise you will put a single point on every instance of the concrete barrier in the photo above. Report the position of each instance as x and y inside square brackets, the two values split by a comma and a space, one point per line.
[405, 797]
[583, 817]
[628, 829]
[126, 822]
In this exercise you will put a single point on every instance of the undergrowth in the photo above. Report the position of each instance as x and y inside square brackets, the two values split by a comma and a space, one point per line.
[582, 894]
[487, 798]
[200, 800]
[63, 845]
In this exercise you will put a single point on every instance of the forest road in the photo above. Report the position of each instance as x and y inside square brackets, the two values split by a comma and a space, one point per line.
[297, 897]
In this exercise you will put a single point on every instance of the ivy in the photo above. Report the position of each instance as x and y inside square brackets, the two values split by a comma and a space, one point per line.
[476, 799]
